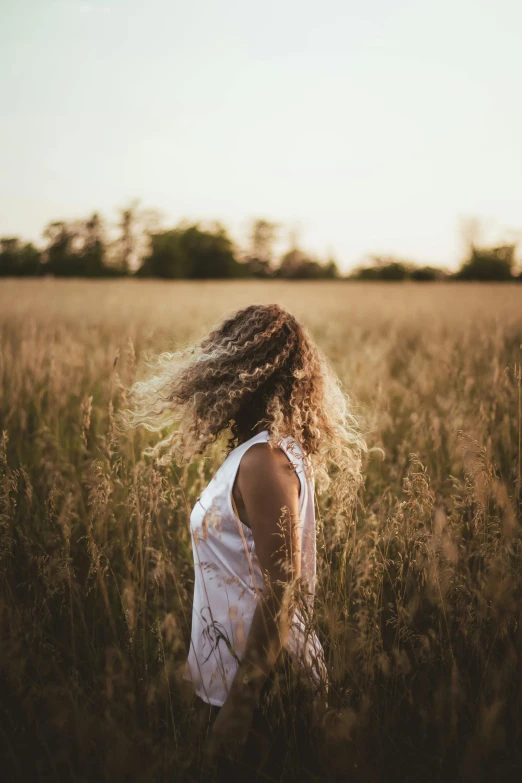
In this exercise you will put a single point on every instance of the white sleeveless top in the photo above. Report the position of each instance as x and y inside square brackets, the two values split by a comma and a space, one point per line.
[228, 580]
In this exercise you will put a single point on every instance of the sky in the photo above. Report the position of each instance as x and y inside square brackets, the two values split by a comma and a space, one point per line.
[372, 127]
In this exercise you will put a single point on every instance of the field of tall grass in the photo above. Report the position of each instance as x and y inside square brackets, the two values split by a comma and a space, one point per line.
[418, 606]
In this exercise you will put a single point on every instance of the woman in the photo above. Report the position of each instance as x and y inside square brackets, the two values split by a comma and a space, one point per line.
[259, 377]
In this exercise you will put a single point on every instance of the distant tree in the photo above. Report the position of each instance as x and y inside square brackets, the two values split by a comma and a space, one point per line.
[365, 273]
[330, 269]
[384, 268]
[259, 258]
[427, 273]
[298, 265]
[124, 256]
[472, 232]
[76, 248]
[489, 264]
[17, 259]
[135, 226]
[257, 267]
[92, 254]
[211, 253]
[395, 270]
[166, 258]
[60, 255]
[388, 268]
[293, 264]
[192, 252]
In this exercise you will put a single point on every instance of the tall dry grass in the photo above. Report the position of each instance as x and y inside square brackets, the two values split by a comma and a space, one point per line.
[418, 606]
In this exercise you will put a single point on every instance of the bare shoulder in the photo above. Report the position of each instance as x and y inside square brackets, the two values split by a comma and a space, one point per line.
[264, 461]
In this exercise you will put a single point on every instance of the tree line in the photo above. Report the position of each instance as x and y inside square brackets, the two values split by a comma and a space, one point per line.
[191, 251]
[487, 264]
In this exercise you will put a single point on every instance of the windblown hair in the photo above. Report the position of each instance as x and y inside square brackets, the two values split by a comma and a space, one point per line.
[258, 367]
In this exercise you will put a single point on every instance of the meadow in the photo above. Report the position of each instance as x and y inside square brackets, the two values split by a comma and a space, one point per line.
[418, 601]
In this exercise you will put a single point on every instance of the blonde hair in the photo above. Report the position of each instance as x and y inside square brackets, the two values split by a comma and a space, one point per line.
[257, 367]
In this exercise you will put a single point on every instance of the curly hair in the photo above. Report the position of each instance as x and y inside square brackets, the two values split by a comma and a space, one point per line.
[258, 367]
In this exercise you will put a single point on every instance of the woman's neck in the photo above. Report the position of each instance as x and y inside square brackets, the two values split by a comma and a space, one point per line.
[261, 427]
[245, 433]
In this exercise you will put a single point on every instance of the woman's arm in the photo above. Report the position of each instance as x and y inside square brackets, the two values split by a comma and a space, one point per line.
[269, 490]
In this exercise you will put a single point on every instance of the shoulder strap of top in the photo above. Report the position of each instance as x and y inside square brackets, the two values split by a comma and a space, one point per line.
[296, 456]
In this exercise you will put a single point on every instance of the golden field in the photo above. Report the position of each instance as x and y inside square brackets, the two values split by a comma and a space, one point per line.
[419, 604]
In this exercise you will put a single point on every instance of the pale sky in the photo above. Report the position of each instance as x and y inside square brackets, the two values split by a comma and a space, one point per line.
[373, 126]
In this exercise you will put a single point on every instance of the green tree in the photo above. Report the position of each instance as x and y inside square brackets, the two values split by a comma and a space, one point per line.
[489, 264]
[166, 258]
[427, 273]
[77, 248]
[92, 256]
[61, 259]
[331, 270]
[298, 265]
[126, 245]
[133, 243]
[17, 259]
[192, 252]
[210, 253]
[384, 268]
